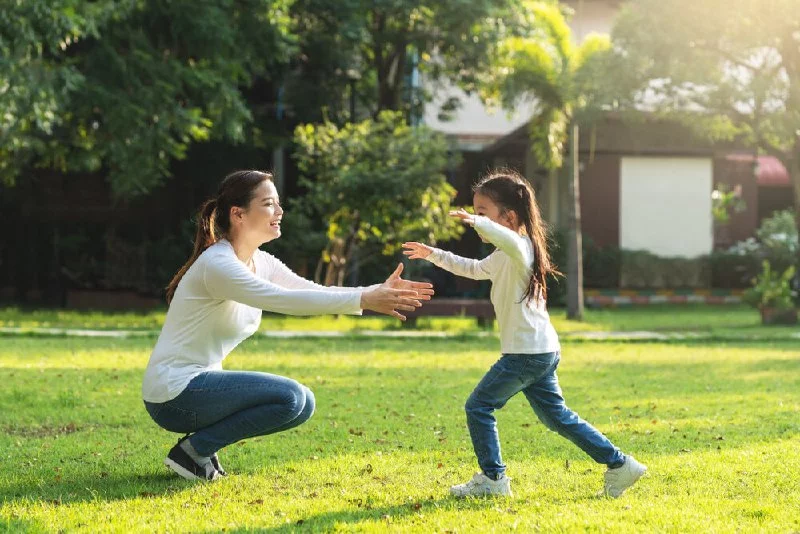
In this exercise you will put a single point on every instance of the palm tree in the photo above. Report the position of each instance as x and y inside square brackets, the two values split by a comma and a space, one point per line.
[544, 66]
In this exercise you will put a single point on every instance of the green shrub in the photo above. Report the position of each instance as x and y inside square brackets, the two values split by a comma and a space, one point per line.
[640, 269]
[772, 289]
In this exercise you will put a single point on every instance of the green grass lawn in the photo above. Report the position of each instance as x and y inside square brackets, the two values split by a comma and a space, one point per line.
[719, 321]
[717, 424]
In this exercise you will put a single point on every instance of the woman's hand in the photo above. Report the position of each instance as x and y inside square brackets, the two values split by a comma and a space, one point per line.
[464, 215]
[416, 251]
[424, 289]
[387, 300]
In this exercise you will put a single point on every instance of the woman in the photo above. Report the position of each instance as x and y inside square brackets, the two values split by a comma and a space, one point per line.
[215, 302]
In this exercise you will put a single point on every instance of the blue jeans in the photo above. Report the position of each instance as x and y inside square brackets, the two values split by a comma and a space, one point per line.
[223, 407]
[535, 376]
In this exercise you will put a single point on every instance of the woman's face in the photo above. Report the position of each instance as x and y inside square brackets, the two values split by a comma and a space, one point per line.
[262, 218]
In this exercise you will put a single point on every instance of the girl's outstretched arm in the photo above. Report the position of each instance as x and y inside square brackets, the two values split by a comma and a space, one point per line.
[466, 267]
[516, 246]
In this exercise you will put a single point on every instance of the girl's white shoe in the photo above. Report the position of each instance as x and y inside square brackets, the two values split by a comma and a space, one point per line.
[619, 479]
[482, 485]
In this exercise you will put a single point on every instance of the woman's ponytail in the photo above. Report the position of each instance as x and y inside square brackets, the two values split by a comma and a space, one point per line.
[205, 236]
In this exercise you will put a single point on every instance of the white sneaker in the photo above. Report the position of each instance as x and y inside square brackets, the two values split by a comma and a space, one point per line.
[619, 479]
[483, 485]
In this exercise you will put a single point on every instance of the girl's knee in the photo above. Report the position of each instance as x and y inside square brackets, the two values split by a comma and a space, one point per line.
[558, 418]
[475, 404]
[549, 423]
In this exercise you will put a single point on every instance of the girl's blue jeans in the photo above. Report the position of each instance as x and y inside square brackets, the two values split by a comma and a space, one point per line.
[535, 376]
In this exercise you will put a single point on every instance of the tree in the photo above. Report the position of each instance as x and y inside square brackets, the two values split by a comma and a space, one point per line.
[728, 69]
[125, 86]
[544, 66]
[377, 183]
[374, 47]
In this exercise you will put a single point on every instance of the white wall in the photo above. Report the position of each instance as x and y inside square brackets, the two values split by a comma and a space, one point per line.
[473, 118]
[591, 16]
[665, 205]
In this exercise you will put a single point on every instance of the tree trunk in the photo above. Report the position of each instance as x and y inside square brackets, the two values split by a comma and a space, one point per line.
[390, 81]
[388, 60]
[575, 247]
[340, 252]
[337, 263]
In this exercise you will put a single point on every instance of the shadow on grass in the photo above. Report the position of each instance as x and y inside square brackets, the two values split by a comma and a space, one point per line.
[383, 517]
[19, 526]
[89, 485]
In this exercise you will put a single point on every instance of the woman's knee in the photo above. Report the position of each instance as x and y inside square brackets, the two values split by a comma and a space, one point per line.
[309, 404]
[305, 406]
[301, 398]
[295, 398]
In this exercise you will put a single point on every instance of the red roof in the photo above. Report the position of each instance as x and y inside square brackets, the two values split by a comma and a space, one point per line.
[771, 172]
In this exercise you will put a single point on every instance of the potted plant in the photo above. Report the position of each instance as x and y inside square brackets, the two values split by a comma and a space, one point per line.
[772, 294]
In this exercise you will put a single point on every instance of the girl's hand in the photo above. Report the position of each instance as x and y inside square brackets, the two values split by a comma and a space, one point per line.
[424, 289]
[387, 300]
[416, 251]
[465, 216]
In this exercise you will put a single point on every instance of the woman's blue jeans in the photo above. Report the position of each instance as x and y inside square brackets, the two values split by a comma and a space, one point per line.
[222, 407]
[535, 376]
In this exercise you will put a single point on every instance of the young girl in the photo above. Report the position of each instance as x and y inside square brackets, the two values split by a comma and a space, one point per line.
[215, 303]
[507, 216]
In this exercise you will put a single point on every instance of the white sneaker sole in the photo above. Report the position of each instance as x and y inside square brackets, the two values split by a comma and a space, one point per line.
[483, 494]
[182, 471]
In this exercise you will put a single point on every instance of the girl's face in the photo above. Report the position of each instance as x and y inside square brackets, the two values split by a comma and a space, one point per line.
[262, 218]
[488, 208]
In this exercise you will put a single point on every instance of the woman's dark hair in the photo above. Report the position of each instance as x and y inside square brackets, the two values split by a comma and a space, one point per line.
[512, 192]
[213, 218]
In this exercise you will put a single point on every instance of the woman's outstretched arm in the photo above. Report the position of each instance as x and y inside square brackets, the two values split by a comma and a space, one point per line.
[227, 278]
[281, 275]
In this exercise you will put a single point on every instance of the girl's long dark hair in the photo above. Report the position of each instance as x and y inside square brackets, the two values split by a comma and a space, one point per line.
[213, 218]
[512, 192]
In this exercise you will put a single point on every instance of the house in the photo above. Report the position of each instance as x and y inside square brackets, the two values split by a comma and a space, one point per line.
[648, 186]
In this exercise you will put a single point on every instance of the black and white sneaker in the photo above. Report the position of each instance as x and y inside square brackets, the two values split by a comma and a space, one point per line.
[217, 465]
[179, 461]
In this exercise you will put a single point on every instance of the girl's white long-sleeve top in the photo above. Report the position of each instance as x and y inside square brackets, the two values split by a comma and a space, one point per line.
[524, 324]
[218, 304]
